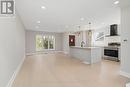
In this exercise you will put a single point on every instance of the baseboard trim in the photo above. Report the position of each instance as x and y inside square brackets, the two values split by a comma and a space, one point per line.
[125, 74]
[65, 52]
[10, 83]
[86, 62]
[29, 54]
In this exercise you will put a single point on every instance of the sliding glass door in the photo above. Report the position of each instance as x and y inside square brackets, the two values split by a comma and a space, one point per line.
[45, 42]
[39, 43]
[51, 42]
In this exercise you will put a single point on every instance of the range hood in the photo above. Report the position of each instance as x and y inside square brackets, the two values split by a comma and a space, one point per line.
[113, 30]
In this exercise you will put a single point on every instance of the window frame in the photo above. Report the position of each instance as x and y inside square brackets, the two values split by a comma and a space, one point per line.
[48, 48]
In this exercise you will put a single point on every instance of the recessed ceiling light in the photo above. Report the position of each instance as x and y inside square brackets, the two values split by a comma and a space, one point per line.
[103, 23]
[66, 26]
[37, 27]
[82, 19]
[43, 7]
[116, 2]
[38, 21]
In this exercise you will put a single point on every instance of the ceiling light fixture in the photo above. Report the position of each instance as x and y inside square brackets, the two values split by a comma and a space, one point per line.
[103, 23]
[82, 19]
[116, 2]
[38, 21]
[43, 7]
[37, 27]
[66, 26]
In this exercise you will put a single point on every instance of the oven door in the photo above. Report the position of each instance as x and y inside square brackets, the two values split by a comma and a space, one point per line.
[111, 53]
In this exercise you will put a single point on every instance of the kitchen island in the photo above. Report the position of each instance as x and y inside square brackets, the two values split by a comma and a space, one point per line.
[88, 55]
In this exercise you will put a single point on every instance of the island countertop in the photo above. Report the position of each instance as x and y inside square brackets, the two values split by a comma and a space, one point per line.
[88, 55]
[94, 47]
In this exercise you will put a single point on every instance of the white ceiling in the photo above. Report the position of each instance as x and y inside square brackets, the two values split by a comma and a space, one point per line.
[124, 3]
[65, 15]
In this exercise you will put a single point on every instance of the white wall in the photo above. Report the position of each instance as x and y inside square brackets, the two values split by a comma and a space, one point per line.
[83, 36]
[79, 37]
[125, 48]
[106, 40]
[65, 38]
[31, 40]
[12, 47]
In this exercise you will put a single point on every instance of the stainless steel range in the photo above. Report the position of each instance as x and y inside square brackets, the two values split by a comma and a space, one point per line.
[112, 51]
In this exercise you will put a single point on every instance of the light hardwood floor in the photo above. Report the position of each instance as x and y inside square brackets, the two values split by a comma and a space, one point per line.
[59, 70]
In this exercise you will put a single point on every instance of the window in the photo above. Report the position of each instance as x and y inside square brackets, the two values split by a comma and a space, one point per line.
[39, 42]
[45, 42]
[51, 42]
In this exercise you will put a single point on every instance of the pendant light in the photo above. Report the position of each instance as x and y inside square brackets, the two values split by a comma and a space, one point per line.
[89, 31]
